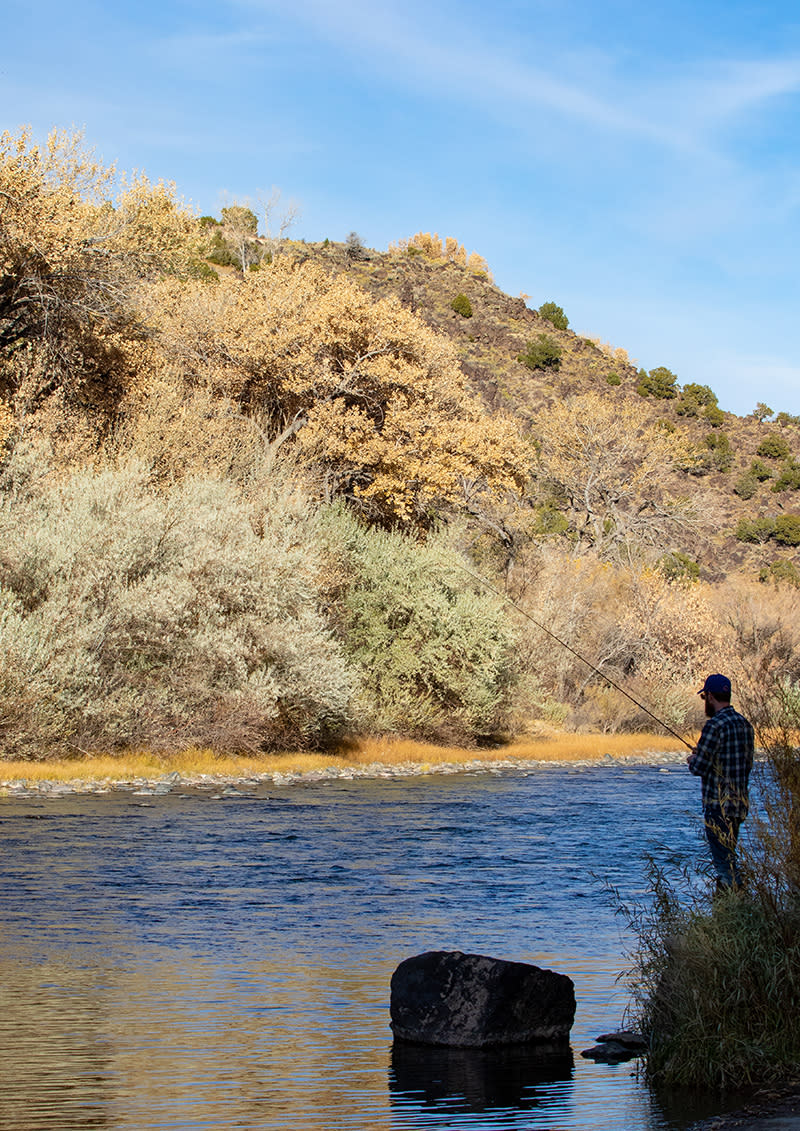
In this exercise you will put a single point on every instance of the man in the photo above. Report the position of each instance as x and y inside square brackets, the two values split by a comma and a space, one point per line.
[723, 759]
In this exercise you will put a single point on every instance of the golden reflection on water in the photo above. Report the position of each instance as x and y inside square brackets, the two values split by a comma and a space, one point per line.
[181, 1044]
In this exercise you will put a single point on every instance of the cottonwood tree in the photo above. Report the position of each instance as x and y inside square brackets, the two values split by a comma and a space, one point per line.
[369, 393]
[75, 239]
[604, 466]
[239, 229]
[278, 218]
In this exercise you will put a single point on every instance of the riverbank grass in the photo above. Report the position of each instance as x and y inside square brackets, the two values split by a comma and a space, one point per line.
[719, 987]
[555, 747]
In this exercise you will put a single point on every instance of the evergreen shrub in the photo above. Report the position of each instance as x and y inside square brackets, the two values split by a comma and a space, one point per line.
[461, 305]
[718, 451]
[694, 399]
[555, 314]
[788, 478]
[787, 530]
[659, 382]
[774, 446]
[760, 470]
[746, 485]
[678, 566]
[541, 353]
[781, 571]
[755, 529]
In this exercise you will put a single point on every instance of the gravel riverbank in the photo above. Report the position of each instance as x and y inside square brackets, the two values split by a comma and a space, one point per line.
[232, 784]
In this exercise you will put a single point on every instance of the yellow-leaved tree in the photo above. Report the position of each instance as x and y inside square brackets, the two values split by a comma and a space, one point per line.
[74, 240]
[373, 397]
[606, 466]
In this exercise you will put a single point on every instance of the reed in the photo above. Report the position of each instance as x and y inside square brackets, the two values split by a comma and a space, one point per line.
[718, 986]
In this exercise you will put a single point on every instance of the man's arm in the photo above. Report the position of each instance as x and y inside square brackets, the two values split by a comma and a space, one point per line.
[702, 756]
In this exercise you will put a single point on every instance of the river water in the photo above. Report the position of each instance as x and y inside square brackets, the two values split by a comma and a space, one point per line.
[202, 959]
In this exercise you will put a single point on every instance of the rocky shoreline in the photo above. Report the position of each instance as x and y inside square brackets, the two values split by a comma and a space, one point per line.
[232, 785]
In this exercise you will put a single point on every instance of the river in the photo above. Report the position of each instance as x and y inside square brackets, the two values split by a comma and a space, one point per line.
[209, 958]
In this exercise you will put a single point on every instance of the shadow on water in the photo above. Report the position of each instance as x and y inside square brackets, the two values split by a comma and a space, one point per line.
[479, 1081]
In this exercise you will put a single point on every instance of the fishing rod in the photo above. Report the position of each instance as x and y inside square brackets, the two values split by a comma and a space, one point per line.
[577, 655]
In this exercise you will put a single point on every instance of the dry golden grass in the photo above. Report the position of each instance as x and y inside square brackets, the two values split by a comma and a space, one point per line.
[558, 747]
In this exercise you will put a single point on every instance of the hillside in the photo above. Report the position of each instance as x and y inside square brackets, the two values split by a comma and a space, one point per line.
[724, 446]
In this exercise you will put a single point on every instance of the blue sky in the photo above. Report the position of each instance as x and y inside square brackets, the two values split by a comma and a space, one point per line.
[637, 164]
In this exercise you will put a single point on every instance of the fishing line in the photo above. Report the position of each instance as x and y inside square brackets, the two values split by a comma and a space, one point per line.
[577, 655]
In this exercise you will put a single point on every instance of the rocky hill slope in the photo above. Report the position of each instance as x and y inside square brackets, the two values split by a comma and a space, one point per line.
[743, 472]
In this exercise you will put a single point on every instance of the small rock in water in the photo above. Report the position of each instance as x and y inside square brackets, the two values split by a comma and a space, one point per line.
[616, 1047]
[627, 1038]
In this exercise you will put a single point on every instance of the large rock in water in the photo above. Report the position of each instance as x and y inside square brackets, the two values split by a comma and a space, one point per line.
[472, 1001]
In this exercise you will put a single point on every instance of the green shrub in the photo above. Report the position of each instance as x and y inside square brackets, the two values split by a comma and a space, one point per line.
[614, 379]
[774, 446]
[435, 655]
[714, 415]
[787, 530]
[660, 383]
[781, 572]
[555, 314]
[760, 470]
[541, 353]
[718, 451]
[678, 566]
[755, 529]
[694, 399]
[786, 418]
[461, 305]
[788, 478]
[199, 269]
[549, 521]
[746, 485]
[218, 250]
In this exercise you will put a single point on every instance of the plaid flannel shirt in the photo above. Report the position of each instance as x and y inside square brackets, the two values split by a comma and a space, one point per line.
[723, 760]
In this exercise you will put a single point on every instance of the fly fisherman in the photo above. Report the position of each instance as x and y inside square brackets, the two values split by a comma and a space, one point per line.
[722, 760]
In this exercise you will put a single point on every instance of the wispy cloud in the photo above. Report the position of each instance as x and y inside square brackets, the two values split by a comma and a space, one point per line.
[678, 107]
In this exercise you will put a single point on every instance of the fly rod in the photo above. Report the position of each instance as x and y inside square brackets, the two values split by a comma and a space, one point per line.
[578, 656]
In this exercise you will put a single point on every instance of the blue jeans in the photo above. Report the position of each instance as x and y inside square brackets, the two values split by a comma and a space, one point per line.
[722, 833]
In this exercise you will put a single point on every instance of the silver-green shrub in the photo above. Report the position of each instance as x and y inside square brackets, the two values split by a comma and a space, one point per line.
[434, 650]
[133, 615]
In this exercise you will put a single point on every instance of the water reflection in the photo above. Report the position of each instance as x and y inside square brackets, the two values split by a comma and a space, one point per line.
[227, 963]
[480, 1081]
[56, 1066]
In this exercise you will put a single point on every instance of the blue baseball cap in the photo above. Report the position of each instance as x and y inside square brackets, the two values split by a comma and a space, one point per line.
[716, 685]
